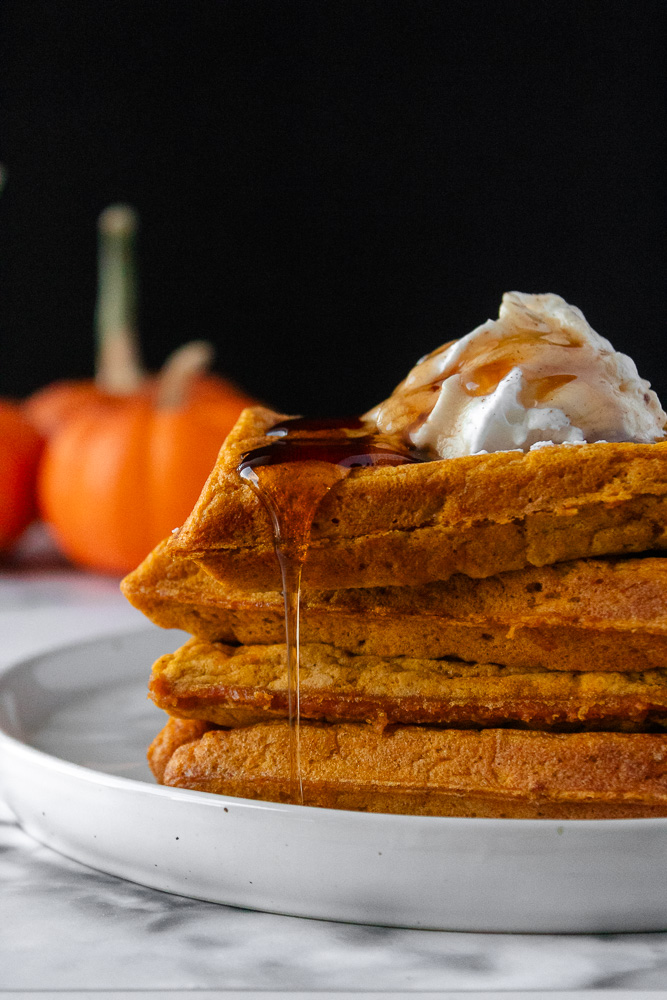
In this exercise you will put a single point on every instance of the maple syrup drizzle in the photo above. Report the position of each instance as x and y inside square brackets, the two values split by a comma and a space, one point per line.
[291, 475]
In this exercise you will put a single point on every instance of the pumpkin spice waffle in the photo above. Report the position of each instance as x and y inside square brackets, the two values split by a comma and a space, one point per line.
[595, 614]
[475, 638]
[175, 734]
[425, 771]
[424, 521]
[241, 685]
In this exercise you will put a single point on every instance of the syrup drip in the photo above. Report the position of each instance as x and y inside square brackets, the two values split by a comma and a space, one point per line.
[291, 476]
[293, 424]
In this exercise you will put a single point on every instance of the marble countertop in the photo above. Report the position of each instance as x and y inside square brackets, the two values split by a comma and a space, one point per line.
[67, 928]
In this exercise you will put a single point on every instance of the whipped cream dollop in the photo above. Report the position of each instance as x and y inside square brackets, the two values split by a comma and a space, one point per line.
[537, 375]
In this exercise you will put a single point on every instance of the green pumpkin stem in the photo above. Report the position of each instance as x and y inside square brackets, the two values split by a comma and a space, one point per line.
[179, 371]
[118, 368]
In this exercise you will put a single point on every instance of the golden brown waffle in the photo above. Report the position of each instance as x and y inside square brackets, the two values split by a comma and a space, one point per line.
[412, 524]
[434, 772]
[597, 614]
[175, 734]
[240, 685]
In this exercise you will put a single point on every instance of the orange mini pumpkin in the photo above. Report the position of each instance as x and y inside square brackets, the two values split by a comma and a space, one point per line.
[127, 456]
[119, 477]
[20, 448]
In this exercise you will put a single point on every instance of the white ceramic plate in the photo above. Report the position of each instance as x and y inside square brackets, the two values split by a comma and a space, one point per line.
[74, 726]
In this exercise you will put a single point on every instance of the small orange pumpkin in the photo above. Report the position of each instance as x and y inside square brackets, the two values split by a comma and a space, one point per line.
[121, 476]
[49, 408]
[126, 457]
[20, 448]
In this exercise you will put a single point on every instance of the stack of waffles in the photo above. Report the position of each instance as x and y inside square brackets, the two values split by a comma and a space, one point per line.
[479, 636]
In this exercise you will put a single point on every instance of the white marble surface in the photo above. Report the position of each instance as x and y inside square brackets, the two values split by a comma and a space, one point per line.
[65, 927]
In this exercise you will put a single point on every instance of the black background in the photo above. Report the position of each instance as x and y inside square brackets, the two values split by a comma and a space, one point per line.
[328, 190]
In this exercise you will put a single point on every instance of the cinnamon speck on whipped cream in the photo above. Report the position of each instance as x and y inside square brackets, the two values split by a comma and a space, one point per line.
[537, 375]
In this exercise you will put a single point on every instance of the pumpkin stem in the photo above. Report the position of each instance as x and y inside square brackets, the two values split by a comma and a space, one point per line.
[118, 364]
[179, 370]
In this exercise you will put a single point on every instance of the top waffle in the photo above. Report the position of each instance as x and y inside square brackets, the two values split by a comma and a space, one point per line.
[412, 524]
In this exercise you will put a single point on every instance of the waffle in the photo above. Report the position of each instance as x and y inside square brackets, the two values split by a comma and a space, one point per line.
[238, 686]
[175, 734]
[425, 771]
[413, 569]
[592, 614]
[416, 523]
